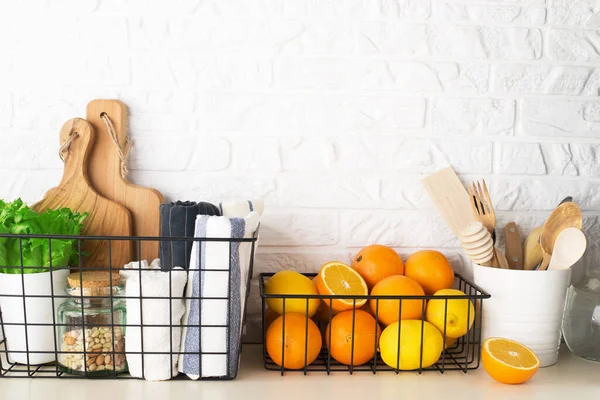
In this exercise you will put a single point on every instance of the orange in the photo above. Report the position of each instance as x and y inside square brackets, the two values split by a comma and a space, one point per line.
[323, 313]
[508, 361]
[431, 270]
[367, 308]
[270, 316]
[365, 335]
[336, 278]
[397, 285]
[298, 330]
[377, 262]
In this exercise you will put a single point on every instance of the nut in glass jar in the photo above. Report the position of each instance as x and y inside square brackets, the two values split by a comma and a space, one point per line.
[91, 325]
[103, 351]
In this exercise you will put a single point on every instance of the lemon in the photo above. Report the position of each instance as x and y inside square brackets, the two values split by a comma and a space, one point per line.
[290, 282]
[459, 316]
[450, 342]
[410, 344]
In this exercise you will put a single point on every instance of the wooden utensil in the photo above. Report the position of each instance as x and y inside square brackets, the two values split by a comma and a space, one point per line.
[566, 215]
[483, 259]
[566, 199]
[108, 170]
[482, 205]
[478, 252]
[450, 198]
[568, 249]
[74, 191]
[500, 259]
[513, 246]
[483, 210]
[477, 243]
[532, 251]
[485, 243]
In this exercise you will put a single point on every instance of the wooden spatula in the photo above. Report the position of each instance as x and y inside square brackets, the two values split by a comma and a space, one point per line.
[513, 246]
[450, 198]
[74, 191]
[108, 172]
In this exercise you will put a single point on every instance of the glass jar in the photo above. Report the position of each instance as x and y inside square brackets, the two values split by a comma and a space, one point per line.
[581, 322]
[93, 318]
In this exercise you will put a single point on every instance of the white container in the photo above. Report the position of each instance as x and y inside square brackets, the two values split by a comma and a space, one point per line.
[526, 306]
[39, 311]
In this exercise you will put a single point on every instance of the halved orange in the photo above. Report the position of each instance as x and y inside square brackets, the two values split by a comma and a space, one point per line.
[508, 361]
[336, 278]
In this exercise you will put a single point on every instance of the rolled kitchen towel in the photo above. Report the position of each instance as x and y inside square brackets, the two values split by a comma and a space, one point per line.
[161, 317]
[178, 220]
[214, 325]
[241, 208]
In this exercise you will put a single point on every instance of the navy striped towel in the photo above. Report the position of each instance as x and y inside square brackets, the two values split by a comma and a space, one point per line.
[214, 325]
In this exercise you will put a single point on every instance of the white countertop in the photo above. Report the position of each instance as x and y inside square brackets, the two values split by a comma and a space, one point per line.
[572, 377]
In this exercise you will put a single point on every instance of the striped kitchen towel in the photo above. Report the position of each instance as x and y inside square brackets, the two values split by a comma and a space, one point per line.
[178, 220]
[241, 208]
[216, 296]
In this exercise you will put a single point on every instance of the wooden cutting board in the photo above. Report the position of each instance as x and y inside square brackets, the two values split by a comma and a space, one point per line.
[105, 171]
[74, 191]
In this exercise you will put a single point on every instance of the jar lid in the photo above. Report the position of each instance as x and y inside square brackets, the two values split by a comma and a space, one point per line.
[93, 279]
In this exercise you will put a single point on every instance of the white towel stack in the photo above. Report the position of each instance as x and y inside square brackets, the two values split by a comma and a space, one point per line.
[157, 311]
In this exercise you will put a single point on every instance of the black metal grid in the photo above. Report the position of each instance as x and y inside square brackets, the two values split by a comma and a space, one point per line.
[463, 356]
[10, 369]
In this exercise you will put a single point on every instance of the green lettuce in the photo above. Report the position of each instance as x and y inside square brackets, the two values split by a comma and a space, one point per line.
[18, 219]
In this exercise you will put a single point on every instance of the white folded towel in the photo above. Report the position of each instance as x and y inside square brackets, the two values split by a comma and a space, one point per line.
[241, 208]
[210, 276]
[157, 311]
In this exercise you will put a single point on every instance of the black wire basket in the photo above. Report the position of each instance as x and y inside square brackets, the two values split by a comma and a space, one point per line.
[27, 353]
[463, 355]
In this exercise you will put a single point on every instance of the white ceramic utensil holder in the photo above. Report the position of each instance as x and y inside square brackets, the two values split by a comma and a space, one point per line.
[38, 310]
[526, 306]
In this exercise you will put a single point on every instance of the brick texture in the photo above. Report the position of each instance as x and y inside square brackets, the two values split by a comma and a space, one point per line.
[332, 110]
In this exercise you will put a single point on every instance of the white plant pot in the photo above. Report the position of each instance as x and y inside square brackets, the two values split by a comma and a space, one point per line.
[37, 310]
[526, 306]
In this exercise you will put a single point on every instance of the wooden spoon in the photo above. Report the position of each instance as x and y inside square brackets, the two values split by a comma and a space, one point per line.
[566, 215]
[532, 251]
[568, 249]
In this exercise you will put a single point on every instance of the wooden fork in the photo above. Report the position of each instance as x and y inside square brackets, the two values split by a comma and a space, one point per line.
[483, 210]
[482, 206]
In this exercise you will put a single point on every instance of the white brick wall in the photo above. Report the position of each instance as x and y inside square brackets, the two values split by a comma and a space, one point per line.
[333, 110]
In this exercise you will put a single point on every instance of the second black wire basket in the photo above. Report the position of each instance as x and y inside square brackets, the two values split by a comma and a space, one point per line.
[462, 354]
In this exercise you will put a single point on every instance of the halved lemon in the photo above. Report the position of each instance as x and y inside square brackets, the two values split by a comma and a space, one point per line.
[508, 361]
[337, 278]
